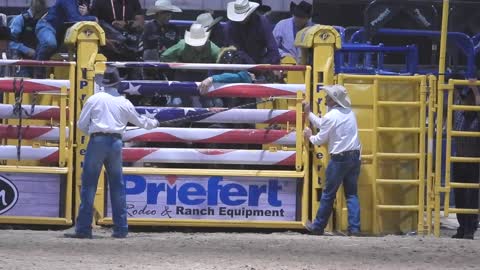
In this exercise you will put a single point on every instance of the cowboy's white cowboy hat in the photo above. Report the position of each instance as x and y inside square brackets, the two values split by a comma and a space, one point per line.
[339, 94]
[162, 5]
[239, 10]
[197, 36]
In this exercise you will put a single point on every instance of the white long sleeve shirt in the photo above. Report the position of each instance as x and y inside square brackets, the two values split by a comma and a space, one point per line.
[339, 128]
[109, 112]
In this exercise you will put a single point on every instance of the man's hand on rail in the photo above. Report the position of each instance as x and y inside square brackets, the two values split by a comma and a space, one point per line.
[205, 85]
[307, 133]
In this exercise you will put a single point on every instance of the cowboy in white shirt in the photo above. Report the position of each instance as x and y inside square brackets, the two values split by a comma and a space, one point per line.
[339, 129]
[104, 117]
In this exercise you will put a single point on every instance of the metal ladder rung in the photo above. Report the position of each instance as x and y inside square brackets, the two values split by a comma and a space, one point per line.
[465, 134]
[398, 207]
[399, 129]
[367, 157]
[400, 103]
[465, 108]
[465, 159]
[398, 181]
[463, 211]
[464, 185]
[399, 155]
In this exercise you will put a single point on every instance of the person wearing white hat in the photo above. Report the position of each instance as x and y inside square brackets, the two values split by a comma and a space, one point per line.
[338, 128]
[213, 26]
[194, 48]
[251, 33]
[159, 34]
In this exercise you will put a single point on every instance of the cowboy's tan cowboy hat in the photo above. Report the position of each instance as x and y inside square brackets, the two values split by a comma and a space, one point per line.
[162, 5]
[339, 94]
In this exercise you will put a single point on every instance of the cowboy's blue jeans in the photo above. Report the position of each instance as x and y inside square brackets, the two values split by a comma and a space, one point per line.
[103, 150]
[341, 169]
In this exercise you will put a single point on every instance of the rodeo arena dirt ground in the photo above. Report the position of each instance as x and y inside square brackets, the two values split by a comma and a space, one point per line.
[193, 249]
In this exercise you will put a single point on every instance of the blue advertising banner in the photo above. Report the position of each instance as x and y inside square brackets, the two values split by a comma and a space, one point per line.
[216, 197]
[31, 195]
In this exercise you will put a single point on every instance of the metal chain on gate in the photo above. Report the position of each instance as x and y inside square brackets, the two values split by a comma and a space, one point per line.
[18, 110]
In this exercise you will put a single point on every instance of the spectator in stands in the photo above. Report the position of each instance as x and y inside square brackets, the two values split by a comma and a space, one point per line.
[121, 14]
[251, 33]
[159, 34]
[22, 29]
[195, 48]
[467, 172]
[104, 118]
[213, 26]
[49, 26]
[123, 23]
[286, 30]
[339, 129]
[4, 39]
[4, 33]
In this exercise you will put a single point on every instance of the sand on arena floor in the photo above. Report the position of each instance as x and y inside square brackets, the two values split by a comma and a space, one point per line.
[28, 249]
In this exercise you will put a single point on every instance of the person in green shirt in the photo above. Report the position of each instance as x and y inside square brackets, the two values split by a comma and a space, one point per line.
[194, 48]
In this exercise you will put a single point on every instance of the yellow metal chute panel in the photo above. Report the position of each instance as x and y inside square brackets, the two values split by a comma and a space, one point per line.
[84, 39]
[36, 150]
[318, 44]
[391, 114]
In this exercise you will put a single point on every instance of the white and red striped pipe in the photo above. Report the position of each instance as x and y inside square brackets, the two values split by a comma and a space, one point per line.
[197, 66]
[35, 63]
[254, 90]
[209, 156]
[234, 116]
[211, 135]
[167, 155]
[41, 112]
[33, 85]
[42, 154]
[40, 133]
[253, 116]
[155, 88]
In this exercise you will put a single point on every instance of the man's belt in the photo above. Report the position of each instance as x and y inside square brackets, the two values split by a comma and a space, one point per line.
[115, 135]
[346, 154]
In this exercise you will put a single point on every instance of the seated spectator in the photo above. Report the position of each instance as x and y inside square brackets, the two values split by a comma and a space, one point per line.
[4, 39]
[48, 27]
[213, 26]
[22, 30]
[159, 35]
[4, 33]
[123, 24]
[286, 30]
[251, 33]
[195, 48]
